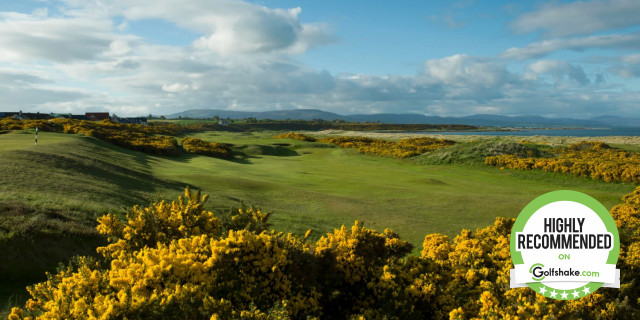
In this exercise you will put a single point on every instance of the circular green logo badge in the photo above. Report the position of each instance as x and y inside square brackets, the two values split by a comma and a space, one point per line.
[564, 246]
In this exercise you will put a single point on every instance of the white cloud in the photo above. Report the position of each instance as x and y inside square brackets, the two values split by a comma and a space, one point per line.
[118, 48]
[20, 89]
[544, 66]
[628, 67]
[260, 31]
[26, 37]
[41, 12]
[469, 78]
[123, 26]
[543, 48]
[227, 26]
[87, 59]
[17, 76]
[632, 59]
[560, 71]
[176, 87]
[580, 18]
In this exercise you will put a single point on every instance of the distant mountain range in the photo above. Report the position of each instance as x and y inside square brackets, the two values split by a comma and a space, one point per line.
[297, 114]
[405, 118]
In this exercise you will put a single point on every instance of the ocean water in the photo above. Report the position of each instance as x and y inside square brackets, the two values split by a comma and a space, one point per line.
[590, 132]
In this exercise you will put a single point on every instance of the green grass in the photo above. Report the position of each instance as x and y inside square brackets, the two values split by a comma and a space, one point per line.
[307, 185]
[241, 138]
[61, 186]
[474, 153]
[323, 188]
[77, 172]
[51, 195]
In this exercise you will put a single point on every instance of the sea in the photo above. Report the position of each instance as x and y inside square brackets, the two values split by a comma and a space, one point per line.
[570, 132]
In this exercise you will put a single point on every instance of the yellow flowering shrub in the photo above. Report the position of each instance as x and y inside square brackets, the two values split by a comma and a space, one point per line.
[402, 149]
[359, 250]
[213, 149]
[9, 123]
[161, 222]
[353, 260]
[252, 219]
[627, 217]
[179, 261]
[413, 288]
[15, 124]
[130, 136]
[590, 159]
[146, 138]
[296, 136]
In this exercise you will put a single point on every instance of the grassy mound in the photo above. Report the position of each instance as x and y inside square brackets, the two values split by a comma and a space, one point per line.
[266, 150]
[476, 152]
[75, 172]
[36, 239]
[51, 195]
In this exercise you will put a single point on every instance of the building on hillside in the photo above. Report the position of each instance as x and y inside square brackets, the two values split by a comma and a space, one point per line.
[131, 120]
[7, 114]
[91, 116]
[60, 115]
[96, 116]
[36, 116]
[25, 115]
[68, 116]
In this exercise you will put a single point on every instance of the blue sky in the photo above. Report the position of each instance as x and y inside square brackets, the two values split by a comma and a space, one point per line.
[450, 58]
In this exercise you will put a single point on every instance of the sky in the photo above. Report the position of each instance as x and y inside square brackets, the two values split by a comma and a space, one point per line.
[578, 59]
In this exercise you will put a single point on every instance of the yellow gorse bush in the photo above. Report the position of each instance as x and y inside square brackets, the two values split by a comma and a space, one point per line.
[296, 136]
[595, 160]
[162, 222]
[130, 136]
[152, 139]
[179, 261]
[402, 149]
[213, 149]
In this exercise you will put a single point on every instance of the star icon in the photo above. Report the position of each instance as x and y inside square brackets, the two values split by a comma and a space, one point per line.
[586, 290]
[575, 293]
[542, 290]
[553, 293]
[564, 295]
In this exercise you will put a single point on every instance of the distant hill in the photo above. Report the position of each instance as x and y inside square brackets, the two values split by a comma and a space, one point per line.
[615, 121]
[401, 118]
[406, 118]
[297, 114]
[529, 121]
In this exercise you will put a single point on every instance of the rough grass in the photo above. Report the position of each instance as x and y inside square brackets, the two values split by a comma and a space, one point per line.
[629, 142]
[469, 153]
[76, 172]
[265, 150]
[51, 195]
[37, 239]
